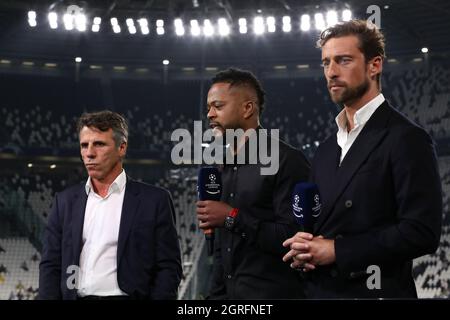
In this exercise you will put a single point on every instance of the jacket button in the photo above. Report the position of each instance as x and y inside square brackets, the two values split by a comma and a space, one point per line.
[352, 275]
[334, 273]
[348, 203]
[339, 236]
[229, 276]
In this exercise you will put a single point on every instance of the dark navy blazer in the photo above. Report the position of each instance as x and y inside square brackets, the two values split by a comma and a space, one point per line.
[148, 253]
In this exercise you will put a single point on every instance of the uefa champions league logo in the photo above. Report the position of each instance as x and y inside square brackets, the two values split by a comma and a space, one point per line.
[296, 200]
[297, 210]
[317, 209]
[212, 187]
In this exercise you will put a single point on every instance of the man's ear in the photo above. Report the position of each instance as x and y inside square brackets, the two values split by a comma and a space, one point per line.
[376, 66]
[250, 108]
[123, 149]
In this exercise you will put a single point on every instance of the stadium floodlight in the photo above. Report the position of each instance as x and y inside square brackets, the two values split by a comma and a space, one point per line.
[165, 62]
[32, 18]
[53, 20]
[179, 28]
[270, 21]
[424, 50]
[287, 26]
[145, 30]
[115, 25]
[32, 23]
[160, 27]
[78, 59]
[130, 25]
[305, 22]
[80, 22]
[132, 30]
[195, 28]
[242, 25]
[319, 22]
[116, 28]
[224, 29]
[258, 25]
[68, 21]
[143, 23]
[332, 18]
[346, 15]
[160, 31]
[208, 29]
[32, 15]
[96, 24]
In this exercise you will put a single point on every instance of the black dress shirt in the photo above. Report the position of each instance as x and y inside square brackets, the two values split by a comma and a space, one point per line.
[248, 259]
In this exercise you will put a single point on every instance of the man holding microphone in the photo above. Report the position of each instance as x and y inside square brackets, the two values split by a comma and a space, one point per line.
[252, 219]
[378, 180]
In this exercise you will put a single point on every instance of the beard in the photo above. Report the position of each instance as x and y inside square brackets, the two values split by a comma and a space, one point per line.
[348, 95]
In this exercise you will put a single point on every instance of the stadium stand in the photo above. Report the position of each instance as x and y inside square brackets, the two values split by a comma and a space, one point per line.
[34, 123]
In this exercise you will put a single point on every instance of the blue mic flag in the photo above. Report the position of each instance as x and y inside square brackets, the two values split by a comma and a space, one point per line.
[209, 187]
[306, 205]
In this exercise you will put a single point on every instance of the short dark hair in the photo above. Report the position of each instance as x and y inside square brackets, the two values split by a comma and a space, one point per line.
[239, 77]
[371, 40]
[103, 121]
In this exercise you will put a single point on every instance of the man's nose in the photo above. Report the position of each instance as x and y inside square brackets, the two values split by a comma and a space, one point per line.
[332, 71]
[211, 113]
[90, 152]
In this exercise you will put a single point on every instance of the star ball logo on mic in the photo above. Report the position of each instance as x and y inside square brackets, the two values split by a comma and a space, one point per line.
[317, 209]
[212, 187]
[296, 207]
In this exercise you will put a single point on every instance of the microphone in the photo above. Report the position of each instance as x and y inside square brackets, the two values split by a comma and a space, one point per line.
[306, 205]
[209, 187]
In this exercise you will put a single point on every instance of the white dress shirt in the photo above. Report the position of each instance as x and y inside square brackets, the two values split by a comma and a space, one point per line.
[98, 259]
[345, 139]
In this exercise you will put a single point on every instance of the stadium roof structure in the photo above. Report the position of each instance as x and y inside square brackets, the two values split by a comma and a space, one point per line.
[409, 25]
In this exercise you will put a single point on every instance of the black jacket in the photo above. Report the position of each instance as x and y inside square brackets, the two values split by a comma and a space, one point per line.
[382, 205]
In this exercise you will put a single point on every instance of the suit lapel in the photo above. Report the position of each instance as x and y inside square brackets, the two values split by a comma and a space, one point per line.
[78, 210]
[129, 209]
[369, 138]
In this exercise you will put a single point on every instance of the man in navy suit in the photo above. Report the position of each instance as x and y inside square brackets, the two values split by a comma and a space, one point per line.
[378, 179]
[111, 237]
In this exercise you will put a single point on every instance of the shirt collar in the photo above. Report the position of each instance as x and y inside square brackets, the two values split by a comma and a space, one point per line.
[117, 186]
[362, 115]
